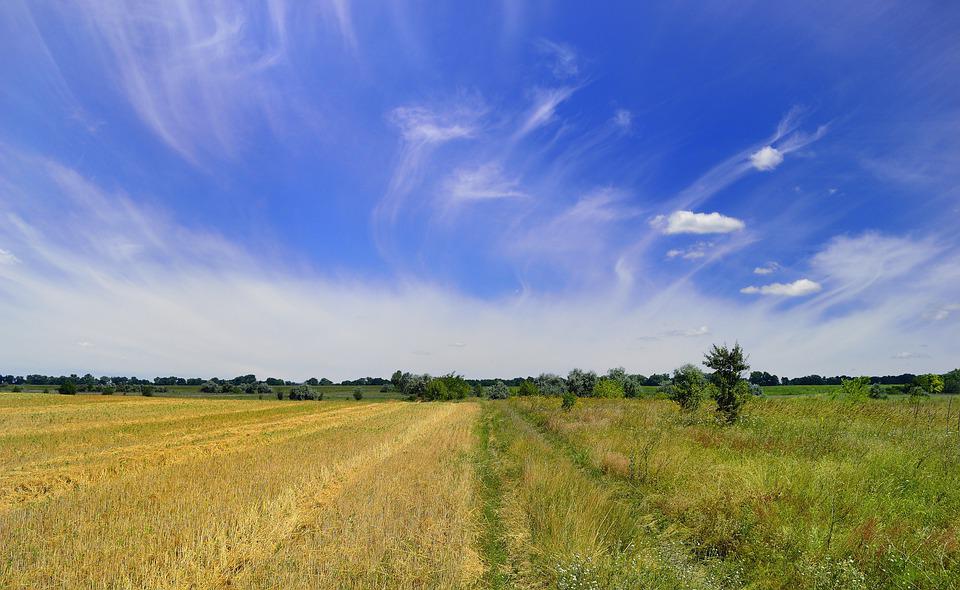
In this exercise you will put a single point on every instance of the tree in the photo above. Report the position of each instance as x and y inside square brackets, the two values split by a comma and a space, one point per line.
[499, 390]
[358, 394]
[528, 388]
[633, 386]
[457, 387]
[436, 390]
[69, 387]
[607, 387]
[551, 385]
[854, 390]
[687, 387]
[581, 383]
[877, 392]
[930, 384]
[951, 381]
[729, 389]
[618, 374]
[568, 400]
[478, 389]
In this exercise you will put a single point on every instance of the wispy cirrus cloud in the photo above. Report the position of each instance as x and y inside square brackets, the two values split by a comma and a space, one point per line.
[541, 112]
[484, 182]
[563, 57]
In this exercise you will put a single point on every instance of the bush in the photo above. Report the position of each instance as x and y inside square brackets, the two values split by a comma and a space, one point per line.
[279, 394]
[568, 400]
[633, 386]
[551, 385]
[146, 390]
[69, 387]
[877, 392]
[499, 390]
[730, 390]
[854, 390]
[755, 390]
[210, 387]
[18, 389]
[581, 383]
[108, 390]
[435, 390]
[606, 387]
[528, 388]
[358, 394]
[951, 382]
[687, 388]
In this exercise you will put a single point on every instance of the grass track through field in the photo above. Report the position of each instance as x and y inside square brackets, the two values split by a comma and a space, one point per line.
[637, 552]
[493, 543]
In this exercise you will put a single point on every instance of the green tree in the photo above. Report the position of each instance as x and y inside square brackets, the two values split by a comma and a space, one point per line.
[457, 386]
[581, 383]
[951, 382]
[358, 394]
[568, 400]
[69, 387]
[930, 384]
[436, 390]
[854, 390]
[499, 390]
[688, 387]
[528, 388]
[551, 385]
[606, 387]
[729, 388]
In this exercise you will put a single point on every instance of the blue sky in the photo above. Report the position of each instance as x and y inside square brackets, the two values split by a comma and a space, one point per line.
[342, 188]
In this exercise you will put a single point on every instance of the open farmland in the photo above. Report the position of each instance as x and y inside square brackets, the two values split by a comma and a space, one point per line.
[133, 492]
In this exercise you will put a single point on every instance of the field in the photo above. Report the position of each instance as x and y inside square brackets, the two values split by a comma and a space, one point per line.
[134, 492]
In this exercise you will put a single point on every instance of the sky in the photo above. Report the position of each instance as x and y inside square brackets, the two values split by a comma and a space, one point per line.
[340, 188]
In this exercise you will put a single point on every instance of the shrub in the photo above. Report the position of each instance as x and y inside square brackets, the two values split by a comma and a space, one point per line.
[877, 392]
[108, 390]
[730, 390]
[478, 389]
[854, 390]
[606, 387]
[687, 387]
[279, 394]
[69, 387]
[499, 390]
[146, 390]
[210, 387]
[951, 382]
[581, 383]
[358, 394]
[551, 385]
[755, 390]
[18, 389]
[301, 392]
[568, 400]
[528, 388]
[456, 386]
[929, 384]
[633, 386]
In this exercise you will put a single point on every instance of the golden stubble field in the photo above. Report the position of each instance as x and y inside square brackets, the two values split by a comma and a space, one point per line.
[164, 493]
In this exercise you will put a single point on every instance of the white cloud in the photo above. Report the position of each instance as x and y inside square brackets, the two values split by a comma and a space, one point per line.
[182, 304]
[688, 222]
[797, 288]
[422, 125]
[766, 158]
[545, 104]
[943, 312]
[694, 252]
[482, 183]
[690, 332]
[564, 58]
[623, 118]
[767, 269]
[7, 257]
[904, 356]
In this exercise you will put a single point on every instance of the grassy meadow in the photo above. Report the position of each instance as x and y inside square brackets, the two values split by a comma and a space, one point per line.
[167, 492]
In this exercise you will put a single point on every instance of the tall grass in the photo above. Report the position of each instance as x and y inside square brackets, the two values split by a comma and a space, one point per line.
[805, 492]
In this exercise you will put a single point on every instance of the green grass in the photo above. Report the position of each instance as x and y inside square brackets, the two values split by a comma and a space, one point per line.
[805, 492]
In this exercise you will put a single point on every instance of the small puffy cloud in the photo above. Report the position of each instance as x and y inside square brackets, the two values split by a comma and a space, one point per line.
[766, 158]
[563, 56]
[797, 288]
[623, 118]
[7, 257]
[767, 269]
[688, 222]
[943, 312]
[481, 183]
